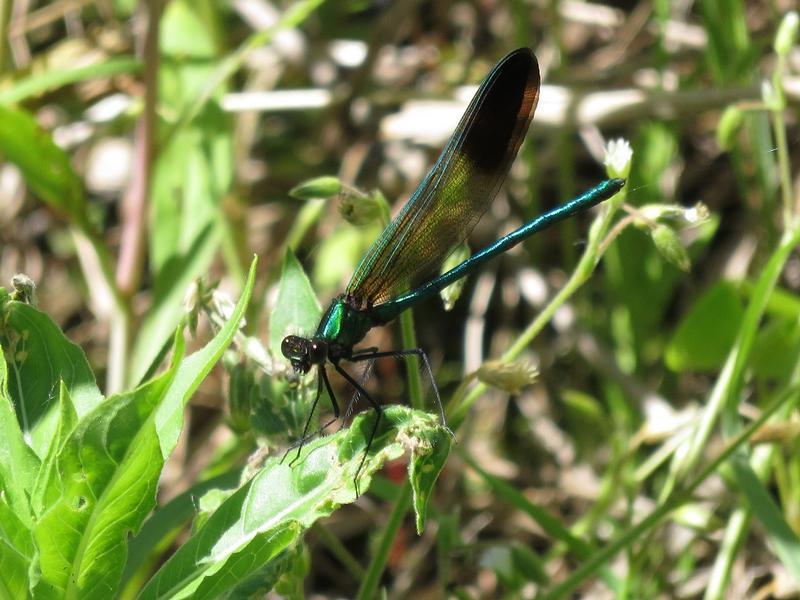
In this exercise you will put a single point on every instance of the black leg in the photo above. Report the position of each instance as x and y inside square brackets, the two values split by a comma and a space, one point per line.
[299, 444]
[410, 352]
[321, 378]
[351, 404]
[378, 410]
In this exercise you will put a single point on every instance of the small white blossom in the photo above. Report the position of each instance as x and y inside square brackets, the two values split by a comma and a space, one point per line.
[618, 157]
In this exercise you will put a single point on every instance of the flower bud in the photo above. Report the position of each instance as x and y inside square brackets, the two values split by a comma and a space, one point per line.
[320, 187]
[670, 247]
[510, 377]
[729, 125]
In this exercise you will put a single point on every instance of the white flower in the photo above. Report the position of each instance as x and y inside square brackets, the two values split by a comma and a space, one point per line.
[618, 157]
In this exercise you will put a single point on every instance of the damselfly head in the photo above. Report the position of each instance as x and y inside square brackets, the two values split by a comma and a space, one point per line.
[303, 352]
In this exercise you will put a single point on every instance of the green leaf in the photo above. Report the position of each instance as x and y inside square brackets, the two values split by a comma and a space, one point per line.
[729, 52]
[67, 420]
[193, 370]
[169, 521]
[269, 513]
[108, 470]
[782, 538]
[17, 552]
[192, 175]
[424, 468]
[18, 463]
[40, 358]
[515, 565]
[707, 332]
[45, 166]
[296, 309]
[781, 303]
[285, 573]
[105, 481]
[289, 570]
[184, 33]
[774, 349]
[167, 309]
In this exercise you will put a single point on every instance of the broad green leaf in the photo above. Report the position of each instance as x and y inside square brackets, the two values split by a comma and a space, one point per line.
[270, 511]
[297, 309]
[164, 525]
[184, 33]
[67, 420]
[707, 332]
[106, 479]
[775, 348]
[45, 166]
[108, 469]
[18, 463]
[16, 553]
[40, 358]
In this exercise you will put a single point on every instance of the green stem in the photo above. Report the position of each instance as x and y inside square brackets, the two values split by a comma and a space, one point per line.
[590, 567]
[5, 20]
[293, 16]
[588, 262]
[409, 340]
[338, 550]
[369, 585]
[378, 563]
[725, 389]
[790, 211]
[779, 125]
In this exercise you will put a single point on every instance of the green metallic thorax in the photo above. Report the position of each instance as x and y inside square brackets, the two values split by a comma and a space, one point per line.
[344, 325]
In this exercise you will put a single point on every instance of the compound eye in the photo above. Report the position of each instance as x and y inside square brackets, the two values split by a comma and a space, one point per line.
[293, 347]
[317, 353]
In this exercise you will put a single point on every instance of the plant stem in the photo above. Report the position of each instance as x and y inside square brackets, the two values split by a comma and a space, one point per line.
[5, 54]
[589, 567]
[409, 340]
[369, 585]
[586, 265]
[378, 563]
[342, 554]
[789, 210]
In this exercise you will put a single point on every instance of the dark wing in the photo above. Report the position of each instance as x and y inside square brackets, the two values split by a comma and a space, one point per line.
[451, 199]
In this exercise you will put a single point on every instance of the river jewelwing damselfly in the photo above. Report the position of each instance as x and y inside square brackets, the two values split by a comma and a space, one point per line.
[399, 269]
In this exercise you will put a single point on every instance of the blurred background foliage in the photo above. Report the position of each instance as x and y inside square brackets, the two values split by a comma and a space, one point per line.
[172, 133]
